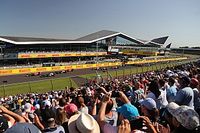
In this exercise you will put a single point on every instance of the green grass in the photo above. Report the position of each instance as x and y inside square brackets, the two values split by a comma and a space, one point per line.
[129, 71]
[61, 83]
[38, 87]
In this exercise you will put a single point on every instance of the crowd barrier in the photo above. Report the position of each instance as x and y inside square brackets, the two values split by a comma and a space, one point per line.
[81, 66]
[67, 54]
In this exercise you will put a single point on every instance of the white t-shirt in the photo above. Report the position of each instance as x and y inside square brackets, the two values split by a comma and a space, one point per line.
[161, 101]
[84, 109]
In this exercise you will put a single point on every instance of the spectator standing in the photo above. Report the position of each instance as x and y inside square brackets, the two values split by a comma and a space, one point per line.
[172, 90]
[194, 85]
[185, 95]
[156, 94]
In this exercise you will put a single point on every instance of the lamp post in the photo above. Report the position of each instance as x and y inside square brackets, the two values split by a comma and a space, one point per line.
[51, 85]
[29, 84]
[97, 58]
[4, 91]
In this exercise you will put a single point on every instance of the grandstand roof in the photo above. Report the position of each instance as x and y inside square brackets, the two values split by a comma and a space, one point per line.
[97, 35]
[30, 39]
[100, 35]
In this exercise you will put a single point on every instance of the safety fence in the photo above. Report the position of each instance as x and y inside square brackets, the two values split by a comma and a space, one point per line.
[85, 66]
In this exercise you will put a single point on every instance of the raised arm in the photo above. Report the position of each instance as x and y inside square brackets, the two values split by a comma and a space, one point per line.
[37, 122]
[9, 118]
[102, 111]
[94, 108]
[17, 117]
[123, 97]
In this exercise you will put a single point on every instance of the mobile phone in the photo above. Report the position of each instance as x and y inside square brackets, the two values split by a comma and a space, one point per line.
[136, 124]
[115, 94]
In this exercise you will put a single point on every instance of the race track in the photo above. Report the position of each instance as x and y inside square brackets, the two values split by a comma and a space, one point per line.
[22, 77]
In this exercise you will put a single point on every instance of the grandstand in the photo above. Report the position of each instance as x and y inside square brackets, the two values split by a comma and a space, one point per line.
[96, 44]
[29, 52]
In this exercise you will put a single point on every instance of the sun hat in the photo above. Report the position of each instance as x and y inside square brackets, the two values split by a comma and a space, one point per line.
[186, 115]
[23, 128]
[128, 111]
[83, 123]
[149, 103]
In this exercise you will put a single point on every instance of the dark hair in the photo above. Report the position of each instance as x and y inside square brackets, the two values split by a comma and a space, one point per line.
[80, 101]
[171, 80]
[72, 89]
[60, 116]
[48, 113]
[62, 102]
[185, 81]
[154, 114]
[154, 88]
[161, 82]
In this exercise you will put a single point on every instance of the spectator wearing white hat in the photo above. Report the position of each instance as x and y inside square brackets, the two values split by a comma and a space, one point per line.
[83, 123]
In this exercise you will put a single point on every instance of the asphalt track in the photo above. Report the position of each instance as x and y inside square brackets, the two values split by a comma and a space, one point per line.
[22, 77]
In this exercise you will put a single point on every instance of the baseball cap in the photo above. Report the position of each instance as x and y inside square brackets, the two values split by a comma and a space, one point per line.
[27, 107]
[149, 103]
[37, 106]
[46, 103]
[71, 109]
[128, 111]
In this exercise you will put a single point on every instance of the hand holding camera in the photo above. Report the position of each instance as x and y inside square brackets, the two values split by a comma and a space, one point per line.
[115, 94]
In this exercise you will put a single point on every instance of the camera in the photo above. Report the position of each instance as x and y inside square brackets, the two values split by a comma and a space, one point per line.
[136, 124]
[115, 94]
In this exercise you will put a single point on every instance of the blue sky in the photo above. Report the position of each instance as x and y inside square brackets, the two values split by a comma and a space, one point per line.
[70, 19]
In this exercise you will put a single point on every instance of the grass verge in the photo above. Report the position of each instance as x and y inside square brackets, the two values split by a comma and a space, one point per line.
[36, 86]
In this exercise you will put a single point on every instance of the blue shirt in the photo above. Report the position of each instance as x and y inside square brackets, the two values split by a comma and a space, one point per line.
[185, 96]
[171, 93]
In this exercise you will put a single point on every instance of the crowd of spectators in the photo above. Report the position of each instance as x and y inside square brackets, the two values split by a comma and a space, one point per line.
[156, 102]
